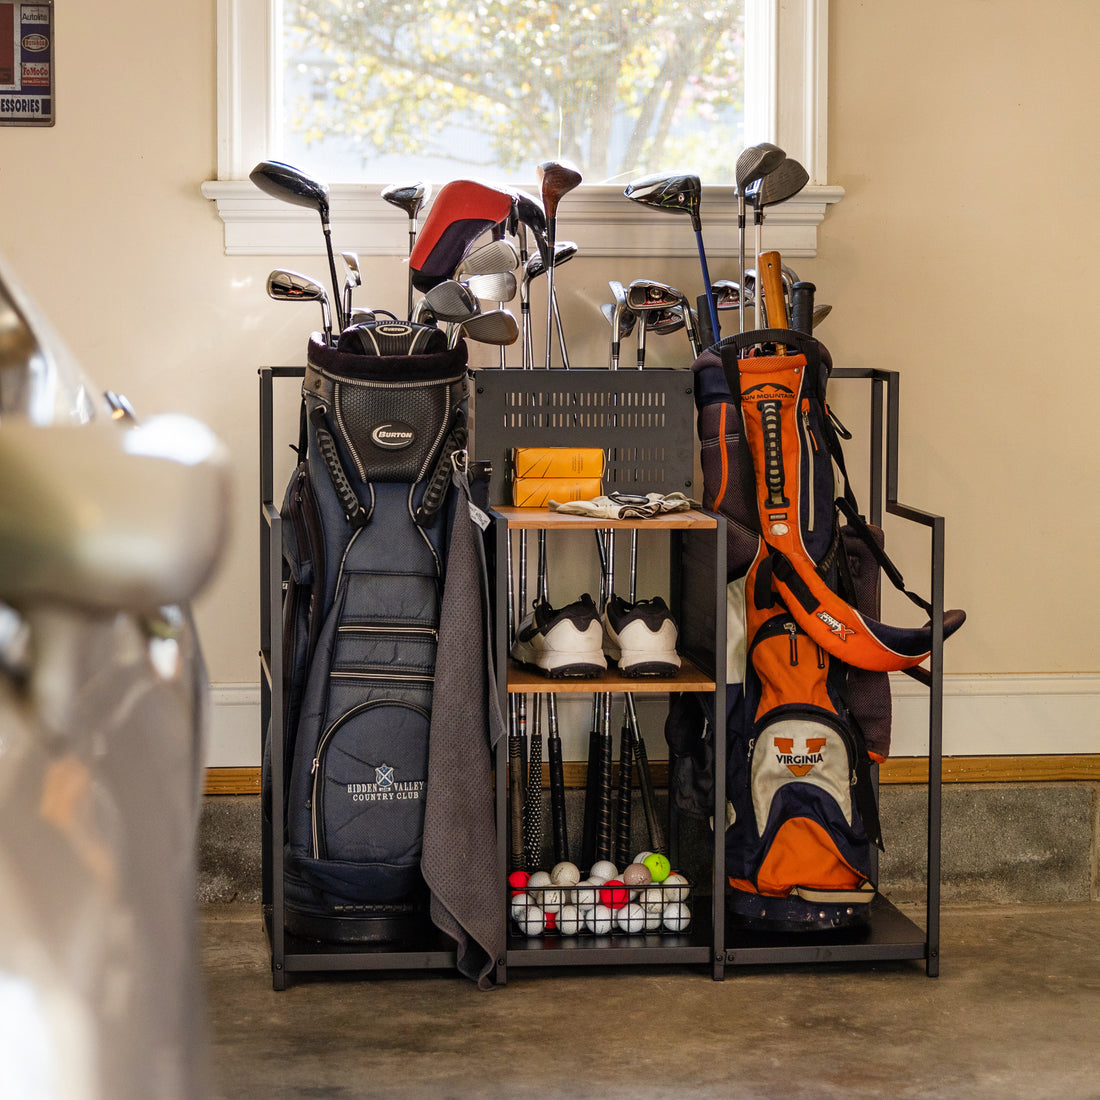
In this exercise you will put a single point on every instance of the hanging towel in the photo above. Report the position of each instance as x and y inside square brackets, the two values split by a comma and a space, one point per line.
[459, 856]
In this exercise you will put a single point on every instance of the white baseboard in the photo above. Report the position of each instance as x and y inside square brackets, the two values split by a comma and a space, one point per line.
[1013, 715]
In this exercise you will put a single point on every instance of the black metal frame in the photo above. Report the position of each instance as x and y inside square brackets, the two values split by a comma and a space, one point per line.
[699, 594]
[892, 935]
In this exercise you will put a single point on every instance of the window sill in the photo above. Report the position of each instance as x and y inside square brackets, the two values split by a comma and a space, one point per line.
[599, 219]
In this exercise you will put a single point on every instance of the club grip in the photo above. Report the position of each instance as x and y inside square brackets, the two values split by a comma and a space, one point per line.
[532, 820]
[626, 796]
[603, 798]
[515, 803]
[557, 798]
[771, 280]
[649, 801]
[802, 307]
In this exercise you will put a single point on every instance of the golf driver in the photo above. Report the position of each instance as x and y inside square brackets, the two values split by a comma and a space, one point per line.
[679, 194]
[410, 197]
[777, 186]
[292, 286]
[292, 185]
[754, 162]
[556, 180]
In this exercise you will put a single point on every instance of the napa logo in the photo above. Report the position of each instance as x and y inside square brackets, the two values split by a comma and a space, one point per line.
[35, 43]
[799, 763]
[393, 435]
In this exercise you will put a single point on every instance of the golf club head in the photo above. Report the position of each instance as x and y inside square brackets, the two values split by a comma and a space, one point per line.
[493, 286]
[820, 313]
[448, 301]
[627, 319]
[462, 211]
[292, 185]
[664, 322]
[556, 179]
[676, 194]
[353, 276]
[499, 327]
[496, 257]
[727, 294]
[531, 214]
[410, 197]
[778, 186]
[757, 161]
[293, 286]
[564, 251]
[646, 294]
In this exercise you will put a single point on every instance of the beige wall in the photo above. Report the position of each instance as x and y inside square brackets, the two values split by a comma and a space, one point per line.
[962, 256]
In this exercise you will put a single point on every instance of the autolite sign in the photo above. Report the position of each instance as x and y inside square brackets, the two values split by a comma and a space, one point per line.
[26, 64]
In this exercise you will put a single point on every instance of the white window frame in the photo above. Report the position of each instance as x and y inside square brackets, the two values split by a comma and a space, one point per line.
[787, 62]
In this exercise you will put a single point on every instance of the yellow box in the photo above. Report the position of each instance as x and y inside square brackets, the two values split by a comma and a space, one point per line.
[549, 462]
[537, 492]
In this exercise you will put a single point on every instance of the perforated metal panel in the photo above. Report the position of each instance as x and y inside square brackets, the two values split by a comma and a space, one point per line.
[644, 421]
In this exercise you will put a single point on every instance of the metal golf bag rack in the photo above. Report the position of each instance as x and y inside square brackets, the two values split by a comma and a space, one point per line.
[351, 583]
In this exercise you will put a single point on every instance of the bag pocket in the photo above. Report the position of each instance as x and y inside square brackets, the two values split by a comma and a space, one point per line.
[801, 777]
[368, 785]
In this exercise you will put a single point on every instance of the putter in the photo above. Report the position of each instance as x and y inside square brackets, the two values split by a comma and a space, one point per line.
[292, 185]
[410, 197]
[556, 180]
[292, 286]
[679, 194]
[753, 163]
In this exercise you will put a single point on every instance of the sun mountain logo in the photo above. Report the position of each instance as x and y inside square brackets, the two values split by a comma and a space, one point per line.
[768, 389]
[393, 435]
[801, 763]
[836, 626]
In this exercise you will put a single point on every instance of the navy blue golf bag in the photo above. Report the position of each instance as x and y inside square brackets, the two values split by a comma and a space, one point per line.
[366, 522]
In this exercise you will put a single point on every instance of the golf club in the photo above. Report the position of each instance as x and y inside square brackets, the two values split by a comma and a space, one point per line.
[446, 301]
[292, 286]
[556, 180]
[564, 251]
[496, 286]
[352, 278]
[292, 185]
[499, 326]
[648, 295]
[777, 186]
[679, 194]
[499, 256]
[753, 163]
[410, 197]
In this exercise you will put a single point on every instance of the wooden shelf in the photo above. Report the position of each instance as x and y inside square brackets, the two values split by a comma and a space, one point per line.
[522, 681]
[544, 519]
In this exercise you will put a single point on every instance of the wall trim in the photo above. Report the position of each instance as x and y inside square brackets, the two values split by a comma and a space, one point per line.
[899, 771]
[1016, 716]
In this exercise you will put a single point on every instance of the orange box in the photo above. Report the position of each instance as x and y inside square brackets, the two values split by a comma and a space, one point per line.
[557, 462]
[537, 492]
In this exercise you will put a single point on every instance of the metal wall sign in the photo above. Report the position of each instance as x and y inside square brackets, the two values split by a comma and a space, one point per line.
[26, 64]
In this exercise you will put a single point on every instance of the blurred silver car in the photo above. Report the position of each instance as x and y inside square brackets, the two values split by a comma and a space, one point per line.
[108, 527]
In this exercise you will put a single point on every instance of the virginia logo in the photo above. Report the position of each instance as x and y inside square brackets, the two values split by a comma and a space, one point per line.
[799, 764]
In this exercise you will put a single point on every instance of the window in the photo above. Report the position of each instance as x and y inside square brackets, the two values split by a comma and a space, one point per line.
[760, 75]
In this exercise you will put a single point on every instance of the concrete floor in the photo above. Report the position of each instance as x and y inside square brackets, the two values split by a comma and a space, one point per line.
[1015, 1013]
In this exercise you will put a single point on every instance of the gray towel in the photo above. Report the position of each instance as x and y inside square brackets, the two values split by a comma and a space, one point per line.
[459, 857]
